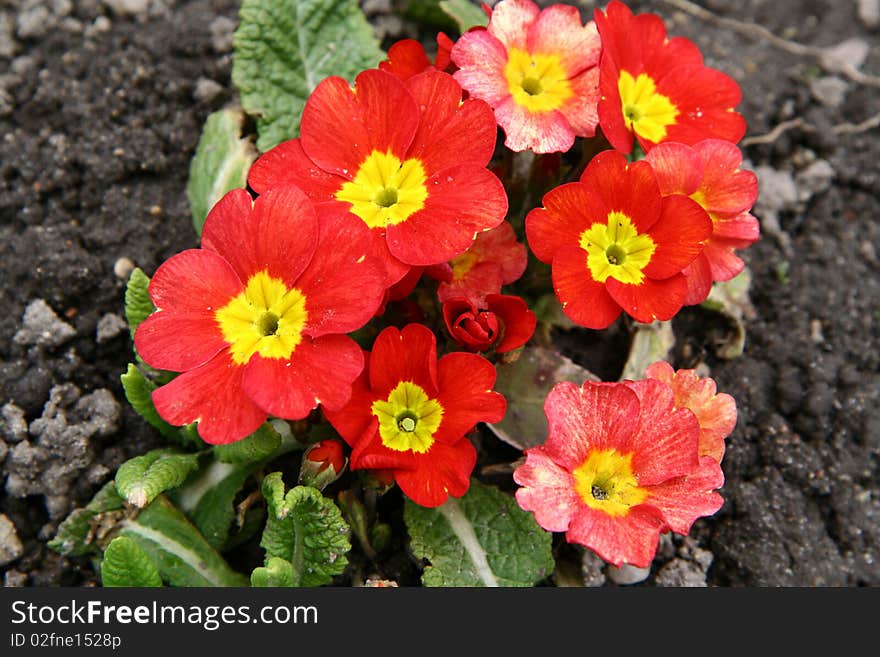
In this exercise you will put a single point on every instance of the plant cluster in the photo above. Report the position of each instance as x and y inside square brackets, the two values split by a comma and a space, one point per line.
[372, 291]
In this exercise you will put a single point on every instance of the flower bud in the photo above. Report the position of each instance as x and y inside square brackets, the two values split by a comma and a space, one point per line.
[322, 464]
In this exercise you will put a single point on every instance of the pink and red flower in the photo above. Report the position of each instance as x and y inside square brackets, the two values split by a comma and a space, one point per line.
[658, 89]
[614, 243]
[495, 259]
[410, 413]
[405, 158]
[716, 412]
[538, 69]
[505, 322]
[620, 465]
[709, 172]
[255, 319]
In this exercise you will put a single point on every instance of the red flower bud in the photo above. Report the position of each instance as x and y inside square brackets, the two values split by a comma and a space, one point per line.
[322, 464]
[505, 324]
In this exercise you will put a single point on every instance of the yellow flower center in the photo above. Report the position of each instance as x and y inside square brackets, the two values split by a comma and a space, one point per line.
[537, 81]
[408, 418]
[267, 318]
[617, 250]
[386, 191]
[645, 112]
[605, 482]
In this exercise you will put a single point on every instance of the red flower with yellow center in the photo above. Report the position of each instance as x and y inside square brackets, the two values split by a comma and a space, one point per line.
[619, 466]
[657, 88]
[410, 413]
[709, 172]
[716, 412]
[407, 159]
[614, 243]
[255, 319]
[538, 69]
[495, 259]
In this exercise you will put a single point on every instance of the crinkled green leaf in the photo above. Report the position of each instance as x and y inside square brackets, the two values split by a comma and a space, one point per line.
[208, 498]
[525, 384]
[127, 564]
[141, 479]
[481, 539]
[276, 572]
[465, 13]
[284, 48]
[180, 553]
[138, 391]
[650, 343]
[258, 446]
[305, 529]
[221, 163]
[731, 299]
[138, 305]
[78, 534]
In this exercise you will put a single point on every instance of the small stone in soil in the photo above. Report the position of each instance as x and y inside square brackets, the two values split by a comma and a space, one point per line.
[13, 425]
[109, 326]
[41, 326]
[10, 545]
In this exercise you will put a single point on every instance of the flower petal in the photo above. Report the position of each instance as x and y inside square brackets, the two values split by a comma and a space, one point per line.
[406, 58]
[678, 167]
[680, 234]
[481, 59]
[726, 188]
[698, 275]
[465, 392]
[684, 499]
[584, 300]
[353, 419]
[541, 132]
[568, 211]
[558, 30]
[510, 22]
[582, 109]
[441, 472]
[287, 164]
[650, 300]
[631, 539]
[548, 490]
[409, 354]
[630, 188]
[519, 322]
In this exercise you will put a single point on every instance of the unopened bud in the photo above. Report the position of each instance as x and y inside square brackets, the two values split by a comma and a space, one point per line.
[322, 464]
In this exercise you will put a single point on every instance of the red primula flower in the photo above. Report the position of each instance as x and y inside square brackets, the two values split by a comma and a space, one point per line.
[658, 88]
[619, 467]
[494, 260]
[615, 243]
[405, 158]
[410, 412]
[407, 57]
[505, 322]
[538, 69]
[255, 319]
[716, 412]
[709, 172]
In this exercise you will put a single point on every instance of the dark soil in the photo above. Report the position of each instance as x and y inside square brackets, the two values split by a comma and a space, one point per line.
[100, 113]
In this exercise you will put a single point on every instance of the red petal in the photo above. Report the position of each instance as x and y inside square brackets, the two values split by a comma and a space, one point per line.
[211, 395]
[568, 211]
[370, 454]
[465, 385]
[481, 59]
[443, 471]
[353, 419]
[740, 227]
[678, 167]
[680, 234]
[726, 188]
[628, 539]
[406, 355]
[610, 107]
[329, 365]
[650, 300]
[547, 490]
[462, 201]
[628, 188]
[278, 235]
[341, 127]
[287, 164]
[584, 300]
[519, 322]
[698, 275]
[684, 499]
[724, 262]
[273, 384]
[343, 285]
[593, 416]
[188, 289]
[450, 132]
[406, 58]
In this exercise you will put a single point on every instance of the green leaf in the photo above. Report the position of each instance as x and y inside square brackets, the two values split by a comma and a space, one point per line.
[181, 554]
[525, 384]
[138, 305]
[305, 529]
[80, 531]
[650, 343]
[465, 13]
[221, 163]
[276, 572]
[141, 479]
[127, 564]
[284, 48]
[258, 446]
[481, 539]
[208, 498]
[138, 391]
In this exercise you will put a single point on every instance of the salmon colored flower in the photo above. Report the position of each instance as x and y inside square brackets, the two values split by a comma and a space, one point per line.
[716, 412]
[494, 260]
[709, 172]
[614, 243]
[657, 88]
[255, 319]
[619, 467]
[405, 158]
[505, 322]
[538, 69]
[410, 413]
